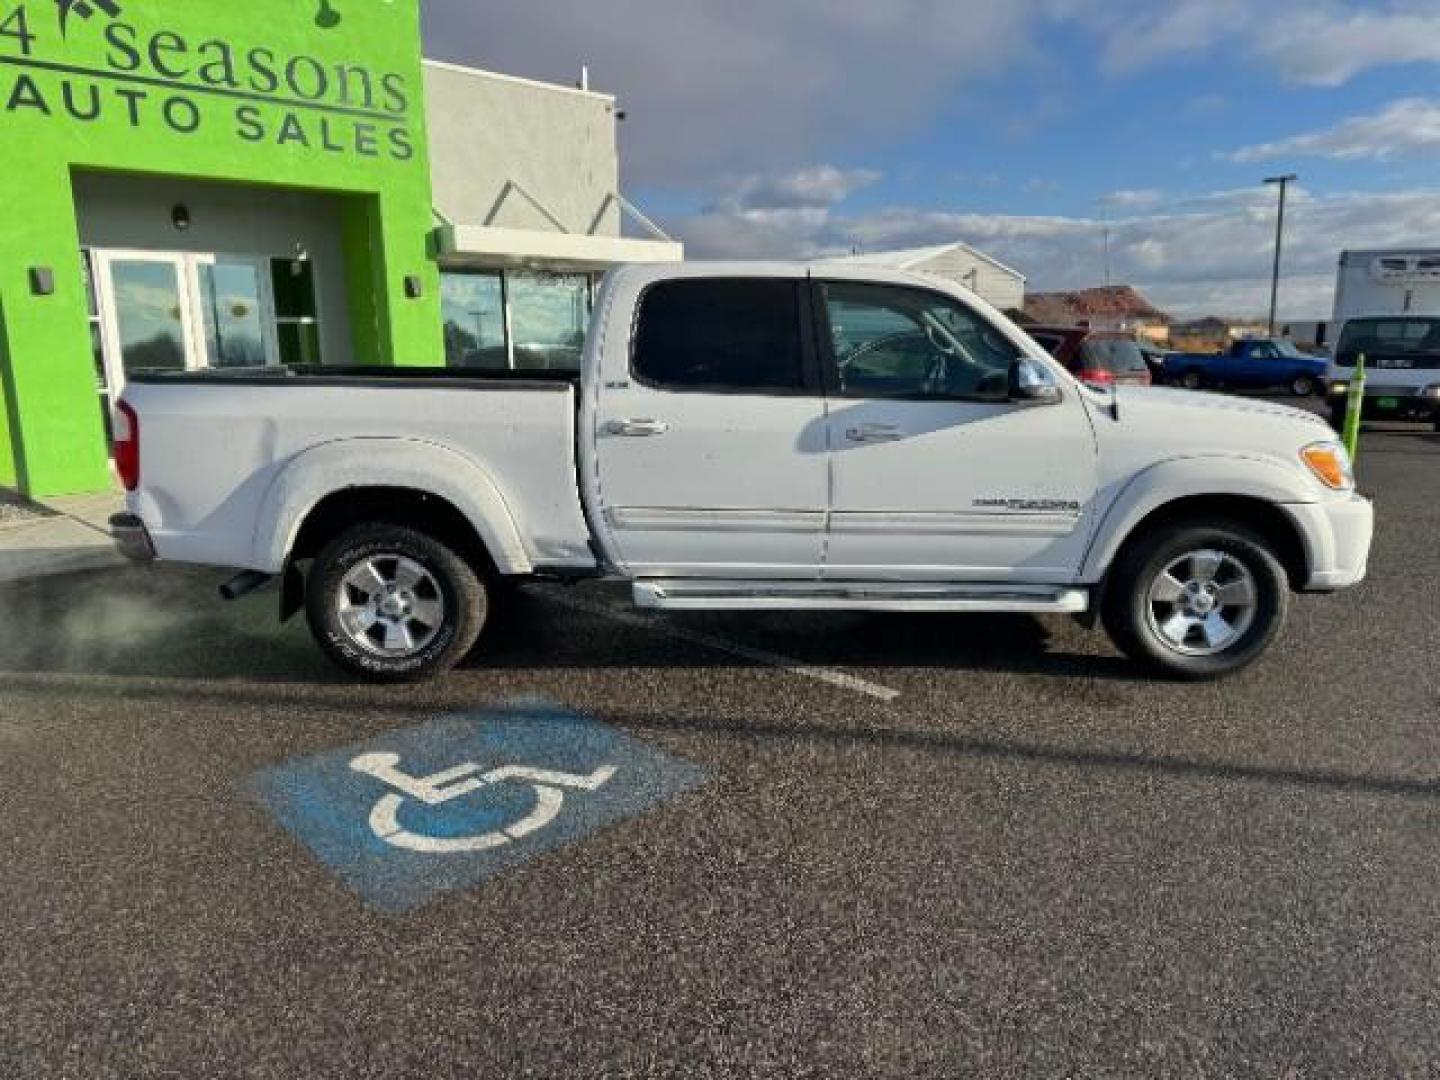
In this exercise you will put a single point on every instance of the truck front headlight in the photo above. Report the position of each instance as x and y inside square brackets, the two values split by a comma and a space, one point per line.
[1339, 389]
[1330, 462]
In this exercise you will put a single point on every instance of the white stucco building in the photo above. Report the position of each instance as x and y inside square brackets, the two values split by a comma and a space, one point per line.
[526, 179]
[992, 280]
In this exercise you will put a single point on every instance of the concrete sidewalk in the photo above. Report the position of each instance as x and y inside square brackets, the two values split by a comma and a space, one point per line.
[57, 536]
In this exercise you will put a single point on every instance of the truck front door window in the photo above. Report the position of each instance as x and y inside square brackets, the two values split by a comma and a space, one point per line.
[894, 342]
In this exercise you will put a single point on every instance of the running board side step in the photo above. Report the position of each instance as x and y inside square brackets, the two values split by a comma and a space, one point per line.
[672, 595]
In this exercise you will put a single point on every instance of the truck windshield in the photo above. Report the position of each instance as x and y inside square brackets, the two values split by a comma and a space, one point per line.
[1289, 350]
[1390, 343]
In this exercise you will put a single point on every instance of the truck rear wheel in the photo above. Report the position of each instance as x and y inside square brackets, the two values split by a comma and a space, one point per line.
[1197, 601]
[1191, 380]
[391, 604]
[1302, 386]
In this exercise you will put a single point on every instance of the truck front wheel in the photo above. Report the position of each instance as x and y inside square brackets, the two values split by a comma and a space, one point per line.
[1196, 601]
[392, 604]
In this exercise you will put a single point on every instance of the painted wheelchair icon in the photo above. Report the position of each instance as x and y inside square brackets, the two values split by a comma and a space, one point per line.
[461, 780]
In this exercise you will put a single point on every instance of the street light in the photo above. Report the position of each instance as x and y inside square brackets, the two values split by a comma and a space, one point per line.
[1284, 182]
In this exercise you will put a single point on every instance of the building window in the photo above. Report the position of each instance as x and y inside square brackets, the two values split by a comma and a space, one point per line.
[97, 348]
[474, 313]
[97, 343]
[515, 320]
[548, 316]
[297, 323]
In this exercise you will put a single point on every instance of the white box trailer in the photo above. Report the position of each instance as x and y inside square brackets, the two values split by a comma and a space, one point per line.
[1387, 308]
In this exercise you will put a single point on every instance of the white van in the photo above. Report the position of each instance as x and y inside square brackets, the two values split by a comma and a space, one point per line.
[1387, 307]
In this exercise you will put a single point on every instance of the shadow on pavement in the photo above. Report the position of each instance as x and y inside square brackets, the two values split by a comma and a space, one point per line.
[379, 702]
[536, 627]
[169, 623]
[1039, 753]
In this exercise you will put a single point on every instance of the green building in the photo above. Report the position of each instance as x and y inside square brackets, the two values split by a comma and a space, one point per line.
[196, 183]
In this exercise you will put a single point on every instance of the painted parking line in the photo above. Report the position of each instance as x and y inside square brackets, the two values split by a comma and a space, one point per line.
[448, 805]
[759, 656]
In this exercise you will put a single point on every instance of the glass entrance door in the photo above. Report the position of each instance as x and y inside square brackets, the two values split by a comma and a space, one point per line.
[178, 311]
[145, 310]
[234, 311]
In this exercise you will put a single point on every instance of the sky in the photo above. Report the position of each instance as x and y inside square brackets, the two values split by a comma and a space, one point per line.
[1028, 128]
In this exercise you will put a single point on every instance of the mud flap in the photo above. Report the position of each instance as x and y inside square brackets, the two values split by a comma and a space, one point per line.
[292, 592]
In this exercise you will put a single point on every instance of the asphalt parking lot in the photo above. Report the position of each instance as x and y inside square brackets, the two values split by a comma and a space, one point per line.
[906, 846]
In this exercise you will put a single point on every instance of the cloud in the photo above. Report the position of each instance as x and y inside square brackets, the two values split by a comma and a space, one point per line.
[746, 85]
[1328, 48]
[757, 86]
[1139, 41]
[800, 189]
[1304, 43]
[1130, 200]
[1205, 254]
[1402, 129]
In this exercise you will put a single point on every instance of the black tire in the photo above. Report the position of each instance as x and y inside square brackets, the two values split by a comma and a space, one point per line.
[1191, 380]
[464, 603]
[1131, 620]
[1302, 386]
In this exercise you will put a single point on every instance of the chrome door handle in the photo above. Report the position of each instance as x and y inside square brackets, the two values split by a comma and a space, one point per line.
[637, 429]
[873, 433]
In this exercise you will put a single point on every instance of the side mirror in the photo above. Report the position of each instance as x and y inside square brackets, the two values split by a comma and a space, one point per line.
[1032, 383]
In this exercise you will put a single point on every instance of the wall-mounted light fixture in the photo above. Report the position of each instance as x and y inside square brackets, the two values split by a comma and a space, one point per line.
[180, 216]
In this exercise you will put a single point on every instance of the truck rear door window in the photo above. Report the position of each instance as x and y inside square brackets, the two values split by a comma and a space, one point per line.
[739, 336]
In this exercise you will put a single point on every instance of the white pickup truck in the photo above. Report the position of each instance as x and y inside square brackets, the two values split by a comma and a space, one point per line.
[748, 437]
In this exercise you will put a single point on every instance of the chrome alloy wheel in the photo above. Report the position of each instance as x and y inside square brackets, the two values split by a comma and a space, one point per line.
[391, 606]
[1203, 603]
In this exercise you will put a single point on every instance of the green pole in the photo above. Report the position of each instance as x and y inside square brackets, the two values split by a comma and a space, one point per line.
[1354, 407]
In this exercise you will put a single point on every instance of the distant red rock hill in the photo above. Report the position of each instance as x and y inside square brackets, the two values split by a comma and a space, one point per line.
[1114, 306]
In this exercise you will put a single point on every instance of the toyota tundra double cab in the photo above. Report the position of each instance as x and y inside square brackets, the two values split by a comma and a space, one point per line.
[748, 437]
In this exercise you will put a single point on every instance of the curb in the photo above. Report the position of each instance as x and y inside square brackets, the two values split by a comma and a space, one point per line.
[60, 564]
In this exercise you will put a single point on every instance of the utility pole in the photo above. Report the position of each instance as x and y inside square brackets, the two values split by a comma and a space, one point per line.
[1284, 183]
[1105, 238]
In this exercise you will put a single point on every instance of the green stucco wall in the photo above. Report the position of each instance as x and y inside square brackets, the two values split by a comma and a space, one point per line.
[258, 92]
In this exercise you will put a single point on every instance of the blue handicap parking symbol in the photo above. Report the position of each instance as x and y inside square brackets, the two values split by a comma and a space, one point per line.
[454, 802]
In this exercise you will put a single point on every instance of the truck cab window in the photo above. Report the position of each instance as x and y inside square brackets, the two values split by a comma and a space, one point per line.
[894, 342]
[738, 336]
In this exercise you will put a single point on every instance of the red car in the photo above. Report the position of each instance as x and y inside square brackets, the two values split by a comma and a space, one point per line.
[1098, 357]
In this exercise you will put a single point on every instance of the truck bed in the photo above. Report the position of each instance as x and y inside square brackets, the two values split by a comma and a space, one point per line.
[215, 444]
[353, 375]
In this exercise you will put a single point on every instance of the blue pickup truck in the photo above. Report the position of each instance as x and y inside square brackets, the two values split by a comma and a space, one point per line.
[1256, 364]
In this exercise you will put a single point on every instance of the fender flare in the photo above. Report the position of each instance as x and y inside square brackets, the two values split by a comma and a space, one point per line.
[333, 467]
[1262, 479]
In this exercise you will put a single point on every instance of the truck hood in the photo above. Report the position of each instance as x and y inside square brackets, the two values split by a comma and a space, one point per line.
[1187, 422]
[1188, 405]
